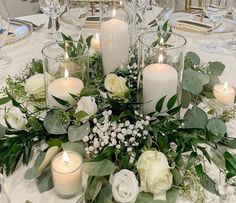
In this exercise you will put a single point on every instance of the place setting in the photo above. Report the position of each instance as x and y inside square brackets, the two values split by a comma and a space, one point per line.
[120, 106]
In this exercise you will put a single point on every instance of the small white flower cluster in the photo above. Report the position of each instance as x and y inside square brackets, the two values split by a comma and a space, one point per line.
[115, 134]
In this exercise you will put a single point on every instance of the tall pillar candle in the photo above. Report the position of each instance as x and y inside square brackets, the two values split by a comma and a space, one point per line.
[67, 173]
[114, 44]
[159, 80]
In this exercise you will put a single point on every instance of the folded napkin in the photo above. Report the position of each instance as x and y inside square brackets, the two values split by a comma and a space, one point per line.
[193, 25]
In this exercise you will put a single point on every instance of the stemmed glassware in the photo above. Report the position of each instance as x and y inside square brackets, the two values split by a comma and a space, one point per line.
[4, 28]
[216, 10]
[78, 11]
[53, 8]
[141, 6]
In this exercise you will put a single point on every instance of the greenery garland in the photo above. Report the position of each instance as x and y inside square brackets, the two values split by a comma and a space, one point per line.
[186, 141]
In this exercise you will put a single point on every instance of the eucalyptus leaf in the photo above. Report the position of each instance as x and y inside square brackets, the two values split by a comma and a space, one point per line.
[218, 128]
[44, 182]
[80, 115]
[195, 118]
[94, 188]
[75, 146]
[77, 133]
[105, 195]
[32, 173]
[102, 168]
[193, 57]
[4, 100]
[2, 130]
[176, 176]
[216, 68]
[194, 81]
[218, 158]
[89, 91]
[185, 98]
[53, 124]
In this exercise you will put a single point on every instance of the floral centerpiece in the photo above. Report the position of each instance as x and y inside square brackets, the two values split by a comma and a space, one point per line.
[129, 156]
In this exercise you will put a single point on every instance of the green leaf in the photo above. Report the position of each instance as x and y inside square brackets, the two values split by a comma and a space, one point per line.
[88, 40]
[94, 188]
[191, 160]
[2, 130]
[218, 128]
[194, 81]
[206, 181]
[216, 68]
[105, 195]
[53, 124]
[205, 153]
[75, 146]
[79, 115]
[102, 168]
[44, 182]
[195, 118]
[218, 158]
[185, 98]
[230, 163]
[213, 80]
[177, 176]
[89, 91]
[32, 173]
[61, 101]
[4, 100]
[172, 101]
[160, 104]
[193, 57]
[54, 142]
[77, 133]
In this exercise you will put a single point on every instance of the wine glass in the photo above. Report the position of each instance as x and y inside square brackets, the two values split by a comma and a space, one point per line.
[216, 10]
[232, 43]
[4, 28]
[167, 9]
[53, 9]
[141, 6]
[78, 11]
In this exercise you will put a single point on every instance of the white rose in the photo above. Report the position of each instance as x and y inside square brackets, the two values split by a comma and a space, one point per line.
[155, 175]
[35, 86]
[116, 85]
[124, 186]
[88, 105]
[15, 118]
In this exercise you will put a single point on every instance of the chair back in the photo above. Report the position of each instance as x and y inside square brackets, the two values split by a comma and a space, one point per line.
[193, 5]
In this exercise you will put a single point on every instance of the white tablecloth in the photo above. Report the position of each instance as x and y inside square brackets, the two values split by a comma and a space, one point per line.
[22, 190]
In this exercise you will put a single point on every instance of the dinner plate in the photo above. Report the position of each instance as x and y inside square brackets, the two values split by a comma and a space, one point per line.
[19, 30]
[226, 26]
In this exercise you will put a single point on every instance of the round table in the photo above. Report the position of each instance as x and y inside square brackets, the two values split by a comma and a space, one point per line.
[21, 190]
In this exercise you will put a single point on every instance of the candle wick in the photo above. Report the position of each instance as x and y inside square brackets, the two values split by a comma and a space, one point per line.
[66, 162]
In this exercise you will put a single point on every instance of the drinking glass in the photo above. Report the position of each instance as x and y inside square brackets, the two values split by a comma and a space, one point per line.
[53, 9]
[141, 6]
[78, 11]
[232, 43]
[4, 28]
[216, 10]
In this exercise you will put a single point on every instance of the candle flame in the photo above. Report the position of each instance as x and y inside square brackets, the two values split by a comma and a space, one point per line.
[66, 56]
[225, 86]
[121, 2]
[65, 157]
[161, 58]
[66, 74]
[114, 12]
[161, 41]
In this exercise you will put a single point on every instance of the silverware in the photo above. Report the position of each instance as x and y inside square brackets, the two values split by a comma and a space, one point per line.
[34, 26]
[154, 22]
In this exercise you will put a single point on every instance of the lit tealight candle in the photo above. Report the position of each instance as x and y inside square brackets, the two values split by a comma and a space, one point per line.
[67, 173]
[62, 88]
[95, 43]
[159, 80]
[224, 93]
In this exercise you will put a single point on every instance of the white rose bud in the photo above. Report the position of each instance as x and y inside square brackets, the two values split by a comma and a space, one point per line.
[116, 85]
[154, 173]
[35, 86]
[124, 186]
[15, 118]
[88, 105]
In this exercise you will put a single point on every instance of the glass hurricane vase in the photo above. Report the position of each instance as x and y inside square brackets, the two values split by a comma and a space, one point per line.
[65, 72]
[161, 60]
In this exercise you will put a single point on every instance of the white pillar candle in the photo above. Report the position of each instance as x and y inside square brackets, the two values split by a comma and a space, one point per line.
[62, 88]
[159, 80]
[67, 173]
[114, 44]
[224, 93]
[95, 43]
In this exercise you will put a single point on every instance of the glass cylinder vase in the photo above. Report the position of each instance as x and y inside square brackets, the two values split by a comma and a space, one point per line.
[161, 60]
[65, 72]
[114, 34]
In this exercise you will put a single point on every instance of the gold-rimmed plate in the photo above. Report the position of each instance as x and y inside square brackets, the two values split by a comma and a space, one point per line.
[19, 31]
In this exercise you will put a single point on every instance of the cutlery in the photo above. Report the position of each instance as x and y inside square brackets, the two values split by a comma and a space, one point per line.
[34, 26]
[154, 22]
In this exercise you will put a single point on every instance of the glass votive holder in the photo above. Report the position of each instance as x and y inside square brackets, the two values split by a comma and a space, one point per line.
[161, 59]
[67, 174]
[65, 72]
